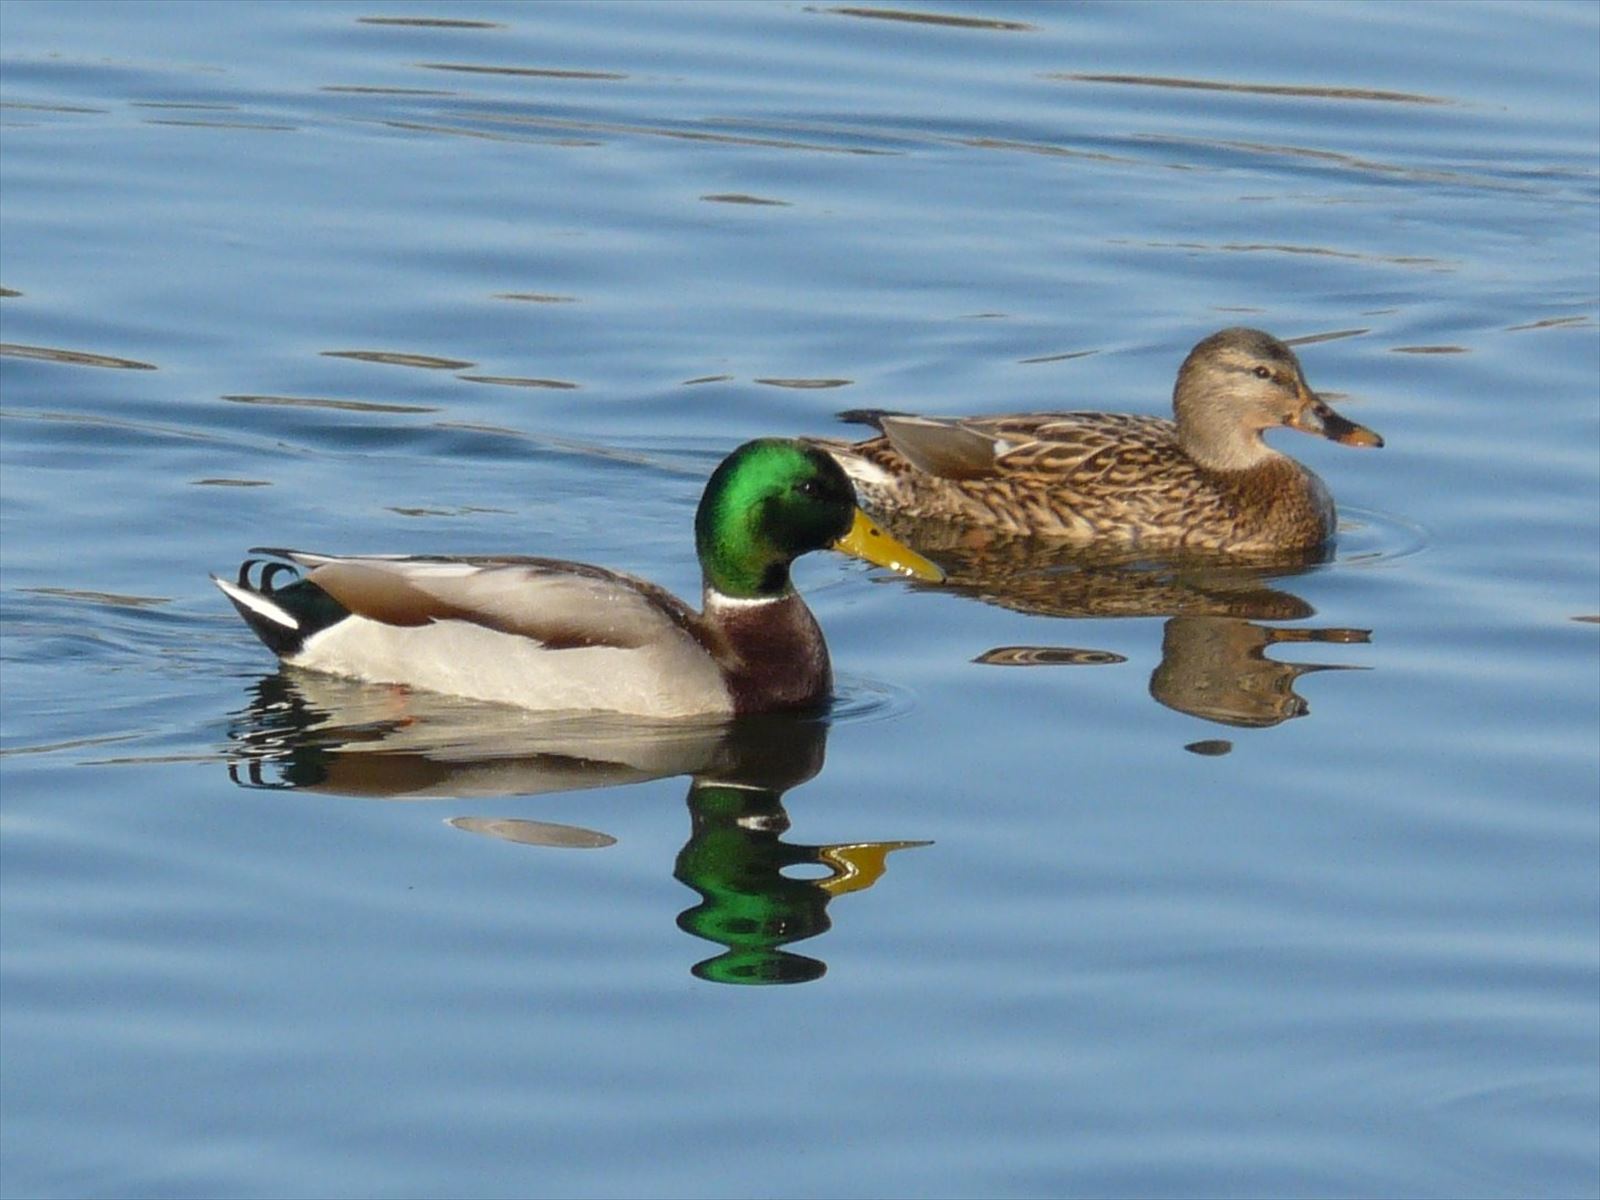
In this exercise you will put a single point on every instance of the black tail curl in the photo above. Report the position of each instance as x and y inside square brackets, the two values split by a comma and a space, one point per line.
[311, 608]
[269, 571]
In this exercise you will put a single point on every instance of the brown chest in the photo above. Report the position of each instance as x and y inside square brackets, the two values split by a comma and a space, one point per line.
[771, 652]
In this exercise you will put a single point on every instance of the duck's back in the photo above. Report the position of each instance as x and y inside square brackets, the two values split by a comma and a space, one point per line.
[1103, 478]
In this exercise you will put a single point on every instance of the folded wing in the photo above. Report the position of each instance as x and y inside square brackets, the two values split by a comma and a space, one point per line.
[560, 605]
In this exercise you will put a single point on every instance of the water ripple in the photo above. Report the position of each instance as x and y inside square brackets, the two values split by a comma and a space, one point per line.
[1369, 536]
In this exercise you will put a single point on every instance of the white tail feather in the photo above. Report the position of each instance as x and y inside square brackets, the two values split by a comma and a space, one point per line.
[256, 603]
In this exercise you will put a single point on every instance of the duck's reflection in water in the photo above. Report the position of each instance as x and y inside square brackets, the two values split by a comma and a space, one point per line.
[758, 893]
[737, 860]
[1216, 668]
[1213, 651]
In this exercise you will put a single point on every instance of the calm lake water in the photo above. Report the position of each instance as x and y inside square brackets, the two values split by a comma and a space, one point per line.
[1149, 883]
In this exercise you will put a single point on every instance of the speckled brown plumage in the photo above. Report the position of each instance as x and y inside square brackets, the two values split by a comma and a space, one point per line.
[1205, 483]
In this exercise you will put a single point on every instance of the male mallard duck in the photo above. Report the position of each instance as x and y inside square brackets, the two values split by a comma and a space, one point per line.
[546, 634]
[1205, 483]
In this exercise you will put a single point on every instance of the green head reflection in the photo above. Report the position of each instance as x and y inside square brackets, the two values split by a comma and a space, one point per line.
[736, 860]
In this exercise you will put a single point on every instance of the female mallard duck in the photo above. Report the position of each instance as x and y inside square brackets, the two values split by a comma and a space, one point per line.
[546, 634]
[1205, 483]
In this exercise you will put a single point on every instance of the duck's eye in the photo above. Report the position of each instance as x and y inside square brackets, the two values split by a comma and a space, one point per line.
[809, 487]
[1263, 372]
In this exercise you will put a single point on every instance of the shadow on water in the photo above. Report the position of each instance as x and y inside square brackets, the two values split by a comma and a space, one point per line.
[758, 892]
[1213, 645]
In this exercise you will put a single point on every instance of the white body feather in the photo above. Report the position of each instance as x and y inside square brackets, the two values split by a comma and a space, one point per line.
[668, 677]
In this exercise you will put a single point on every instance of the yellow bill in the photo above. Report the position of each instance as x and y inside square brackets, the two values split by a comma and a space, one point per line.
[866, 540]
[857, 865]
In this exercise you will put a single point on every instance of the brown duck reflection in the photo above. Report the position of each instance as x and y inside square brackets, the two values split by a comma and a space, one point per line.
[311, 732]
[1216, 668]
[1213, 652]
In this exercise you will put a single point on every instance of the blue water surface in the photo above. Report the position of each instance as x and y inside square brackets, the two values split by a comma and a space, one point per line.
[1138, 883]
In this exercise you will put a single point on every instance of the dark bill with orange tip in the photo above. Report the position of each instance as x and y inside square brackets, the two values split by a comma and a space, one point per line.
[866, 540]
[1317, 416]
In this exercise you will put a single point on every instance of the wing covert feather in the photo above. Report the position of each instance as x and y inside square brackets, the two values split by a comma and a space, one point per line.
[560, 605]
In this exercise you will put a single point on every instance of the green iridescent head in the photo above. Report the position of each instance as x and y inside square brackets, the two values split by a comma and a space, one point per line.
[771, 501]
